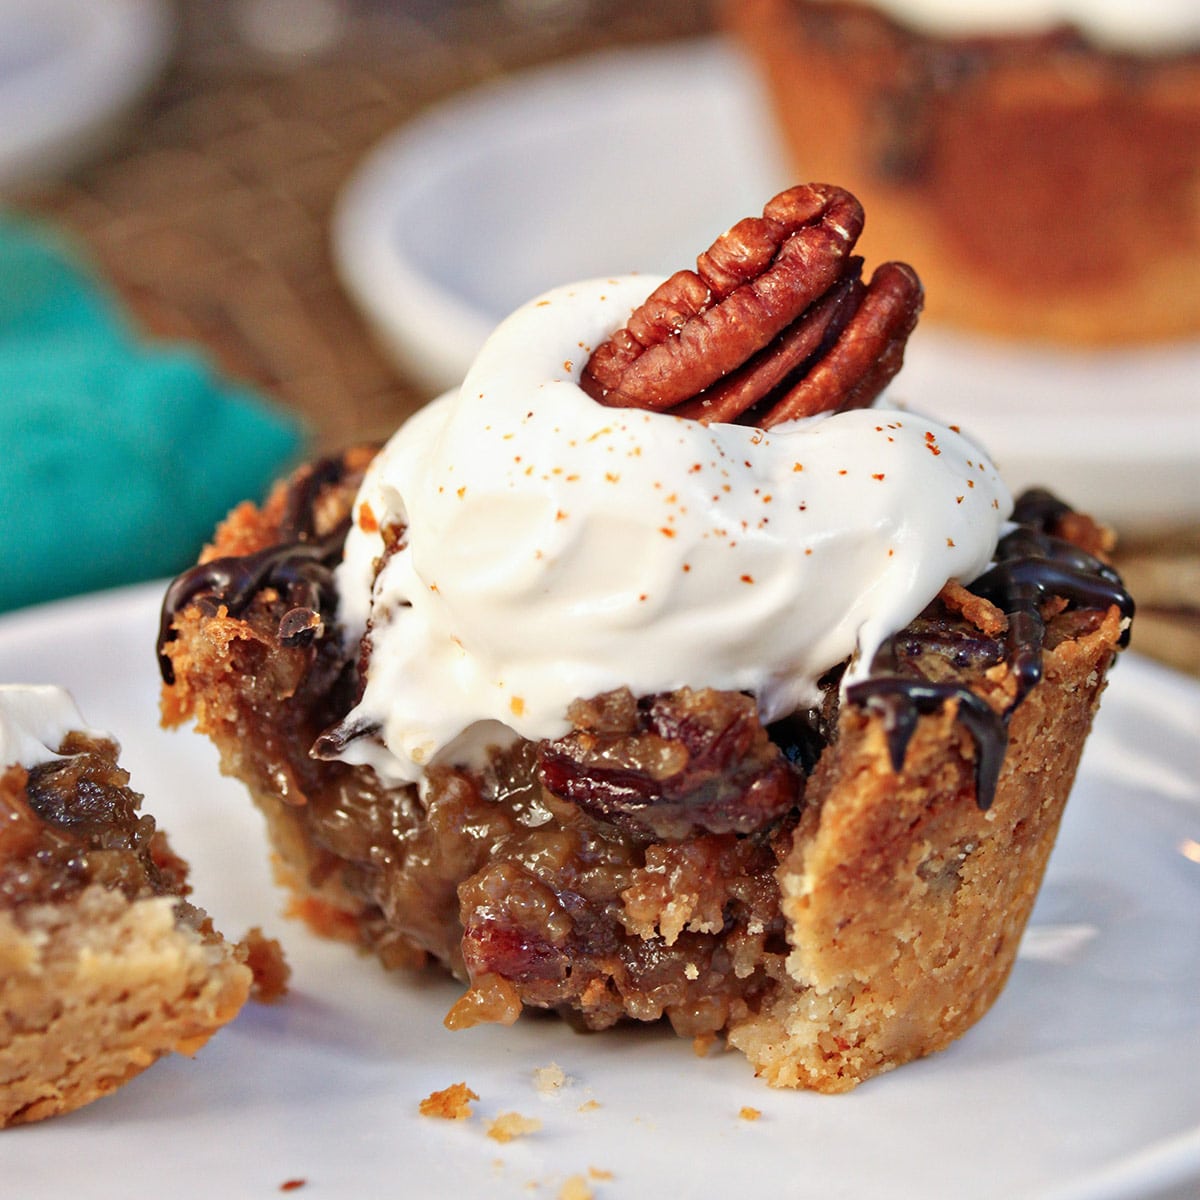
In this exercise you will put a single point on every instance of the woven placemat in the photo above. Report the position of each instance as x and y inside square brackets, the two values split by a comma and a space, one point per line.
[1163, 575]
[211, 217]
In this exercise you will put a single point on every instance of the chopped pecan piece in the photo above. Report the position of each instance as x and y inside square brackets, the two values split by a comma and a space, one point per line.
[775, 323]
[680, 762]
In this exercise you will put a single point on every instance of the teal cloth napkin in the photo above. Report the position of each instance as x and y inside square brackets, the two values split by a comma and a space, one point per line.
[117, 456]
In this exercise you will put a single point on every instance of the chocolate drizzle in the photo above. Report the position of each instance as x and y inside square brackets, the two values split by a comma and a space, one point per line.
[299, 566]
[1032, 567]
[901, 701]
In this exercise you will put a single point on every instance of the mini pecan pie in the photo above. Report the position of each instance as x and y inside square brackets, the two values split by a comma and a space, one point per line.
[626, 691]
[104, 965]
[1046, 178]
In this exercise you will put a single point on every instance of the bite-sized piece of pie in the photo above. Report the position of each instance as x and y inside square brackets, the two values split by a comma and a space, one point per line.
[654, 672]
[1030, 157]
[104, 965]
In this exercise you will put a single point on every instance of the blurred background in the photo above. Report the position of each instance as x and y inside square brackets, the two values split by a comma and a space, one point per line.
[210, 209]
[192, 160]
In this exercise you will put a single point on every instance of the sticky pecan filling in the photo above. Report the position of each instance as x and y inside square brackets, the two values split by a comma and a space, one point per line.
[73, 822]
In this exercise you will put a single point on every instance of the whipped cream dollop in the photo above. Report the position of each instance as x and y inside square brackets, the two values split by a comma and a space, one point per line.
[34, 720]
[553, 548]
[1147, 26]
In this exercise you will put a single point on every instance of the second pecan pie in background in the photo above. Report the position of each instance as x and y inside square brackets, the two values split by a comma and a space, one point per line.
[1040, 162]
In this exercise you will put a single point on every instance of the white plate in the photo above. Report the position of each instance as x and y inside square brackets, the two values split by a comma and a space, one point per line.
[1081, 1082]
[635, 160]
[70, 70]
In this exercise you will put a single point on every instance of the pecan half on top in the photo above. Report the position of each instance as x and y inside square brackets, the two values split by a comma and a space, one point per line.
[775, 323]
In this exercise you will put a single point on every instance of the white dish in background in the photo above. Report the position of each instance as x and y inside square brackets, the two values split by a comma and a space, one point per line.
[635, 160]
[70, 71]
[1080, 1084]
[596, 166]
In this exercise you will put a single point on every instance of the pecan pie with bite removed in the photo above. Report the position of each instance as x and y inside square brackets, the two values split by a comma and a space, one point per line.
[688, 685]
